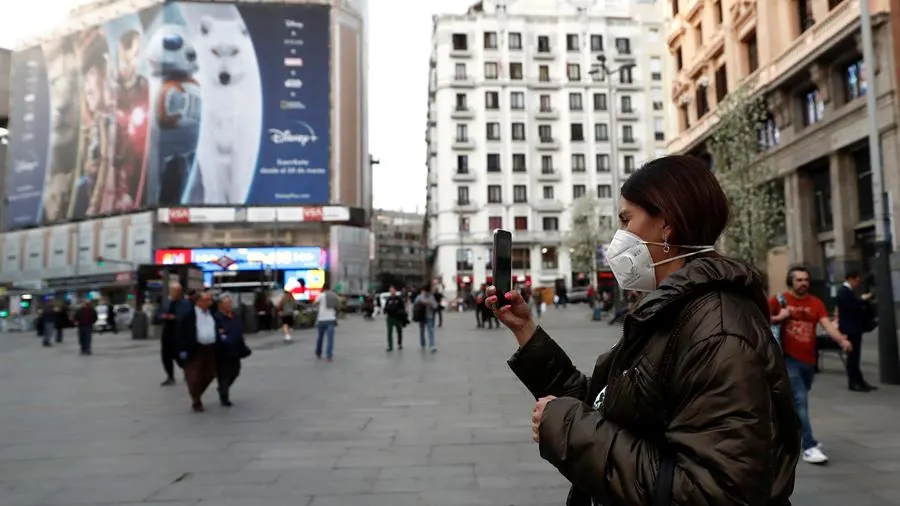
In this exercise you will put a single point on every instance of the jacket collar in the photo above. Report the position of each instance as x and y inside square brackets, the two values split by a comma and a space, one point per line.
[699, 276]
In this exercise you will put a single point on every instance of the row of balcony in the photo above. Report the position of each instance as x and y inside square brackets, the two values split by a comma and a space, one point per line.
[547, 237]
[542, 205]
[542, 176]
[543, 54]
[540, 114]
[545, 144]
[534, 82]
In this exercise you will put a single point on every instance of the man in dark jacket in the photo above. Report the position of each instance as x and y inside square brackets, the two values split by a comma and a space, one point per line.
[853, 319]
[169, 313]
[85, 318]
[397, 318]
[230, 348]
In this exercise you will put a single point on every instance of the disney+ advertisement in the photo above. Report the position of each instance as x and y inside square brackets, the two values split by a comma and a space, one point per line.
[179, 104]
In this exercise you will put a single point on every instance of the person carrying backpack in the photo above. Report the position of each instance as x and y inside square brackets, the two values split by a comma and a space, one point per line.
[395, 313]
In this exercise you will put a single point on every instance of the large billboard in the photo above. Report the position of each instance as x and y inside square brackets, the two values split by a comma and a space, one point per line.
[178, 104]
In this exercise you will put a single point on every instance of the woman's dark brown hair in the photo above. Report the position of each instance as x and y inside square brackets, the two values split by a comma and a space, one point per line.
[685, 193]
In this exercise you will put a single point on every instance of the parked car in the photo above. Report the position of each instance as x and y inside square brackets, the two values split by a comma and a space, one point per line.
[123, 314]
[578, 294]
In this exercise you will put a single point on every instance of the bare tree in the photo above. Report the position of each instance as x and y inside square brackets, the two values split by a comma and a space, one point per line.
[586, 232]
[756, 198]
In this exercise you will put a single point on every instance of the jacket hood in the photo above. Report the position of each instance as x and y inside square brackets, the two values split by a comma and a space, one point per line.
[700, 276]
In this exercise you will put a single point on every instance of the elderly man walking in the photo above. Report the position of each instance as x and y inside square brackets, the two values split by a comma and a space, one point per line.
[231, 348]
[197, 349]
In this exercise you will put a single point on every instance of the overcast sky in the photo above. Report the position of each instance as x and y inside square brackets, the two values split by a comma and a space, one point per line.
[399, 46]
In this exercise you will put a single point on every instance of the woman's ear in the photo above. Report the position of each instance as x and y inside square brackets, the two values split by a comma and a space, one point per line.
[666, 232]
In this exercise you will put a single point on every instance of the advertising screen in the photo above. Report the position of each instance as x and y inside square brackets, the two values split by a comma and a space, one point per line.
[305, 285]
[179, 104]
[247, 259]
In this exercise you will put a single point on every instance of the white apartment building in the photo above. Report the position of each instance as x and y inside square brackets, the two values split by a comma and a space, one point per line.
[520, 124]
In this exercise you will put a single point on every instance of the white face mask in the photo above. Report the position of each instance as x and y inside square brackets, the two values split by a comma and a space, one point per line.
[630, 261]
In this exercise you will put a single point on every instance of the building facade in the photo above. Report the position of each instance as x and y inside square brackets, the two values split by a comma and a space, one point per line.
[805, 58]
[399, 253]
[521, 123]
[311, 73]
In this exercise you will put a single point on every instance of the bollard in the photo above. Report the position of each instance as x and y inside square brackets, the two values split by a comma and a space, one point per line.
[140, 326]
[251, 321]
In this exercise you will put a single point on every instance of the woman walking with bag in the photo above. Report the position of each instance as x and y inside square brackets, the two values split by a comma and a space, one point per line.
[286, 307]
[693, 406]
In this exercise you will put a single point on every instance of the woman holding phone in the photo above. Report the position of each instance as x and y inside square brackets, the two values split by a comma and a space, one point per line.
[693, 405]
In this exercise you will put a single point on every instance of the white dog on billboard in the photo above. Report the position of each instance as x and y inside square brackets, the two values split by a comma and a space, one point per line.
[232, 97]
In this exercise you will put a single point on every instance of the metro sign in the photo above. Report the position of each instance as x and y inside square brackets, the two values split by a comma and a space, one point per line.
[225, 262]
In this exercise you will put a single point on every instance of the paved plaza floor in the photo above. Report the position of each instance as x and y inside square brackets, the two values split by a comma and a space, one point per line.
[369, 429]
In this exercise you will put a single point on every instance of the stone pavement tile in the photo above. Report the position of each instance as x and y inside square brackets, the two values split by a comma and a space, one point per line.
[395, 456]
[429, 471]
[892, 495]
[63, 502]
[424, 484]
[290, 464]
[409, 499]
[499, 435]
[180, 491]
[256, 501]
[473, 454]
[416, 435]
[21, 493]
[108, 490]
[500, 480]
[839, 499]
[251, 477]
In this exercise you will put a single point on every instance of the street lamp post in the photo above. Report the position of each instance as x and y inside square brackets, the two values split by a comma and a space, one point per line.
[605, 74]
[888, 359]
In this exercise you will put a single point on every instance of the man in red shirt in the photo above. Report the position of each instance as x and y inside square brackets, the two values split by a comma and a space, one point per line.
[799, 313]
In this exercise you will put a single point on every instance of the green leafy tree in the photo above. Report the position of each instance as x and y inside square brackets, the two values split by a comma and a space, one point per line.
[756, 197]
[586, 232]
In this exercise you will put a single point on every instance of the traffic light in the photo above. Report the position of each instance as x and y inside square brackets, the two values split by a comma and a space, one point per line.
[100, 261]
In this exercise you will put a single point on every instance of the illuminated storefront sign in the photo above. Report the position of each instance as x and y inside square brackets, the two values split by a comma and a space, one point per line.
[245, 259]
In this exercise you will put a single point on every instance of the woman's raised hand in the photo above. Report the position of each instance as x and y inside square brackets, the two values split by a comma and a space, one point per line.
[516, 314]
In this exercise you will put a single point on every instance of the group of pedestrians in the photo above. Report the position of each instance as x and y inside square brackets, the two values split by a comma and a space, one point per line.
[327, 305]
[426, 308]
[795, 316]
[53, 320]
[207, 343]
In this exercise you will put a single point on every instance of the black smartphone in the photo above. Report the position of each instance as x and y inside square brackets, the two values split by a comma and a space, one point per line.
[502, 264]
